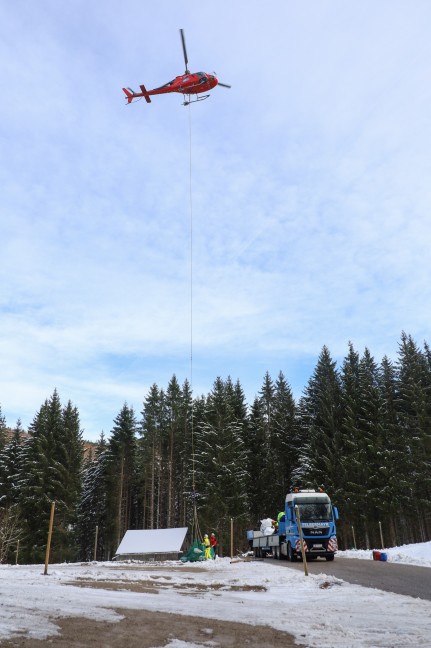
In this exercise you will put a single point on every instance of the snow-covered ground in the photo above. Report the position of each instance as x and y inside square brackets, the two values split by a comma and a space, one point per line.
[319, 610]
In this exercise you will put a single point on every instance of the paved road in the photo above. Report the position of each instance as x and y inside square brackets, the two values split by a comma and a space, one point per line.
[390, 577]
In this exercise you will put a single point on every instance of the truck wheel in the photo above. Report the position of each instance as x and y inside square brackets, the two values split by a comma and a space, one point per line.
[330, 557]
[290, 555]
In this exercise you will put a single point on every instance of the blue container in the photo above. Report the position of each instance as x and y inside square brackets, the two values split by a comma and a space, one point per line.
[383, 556]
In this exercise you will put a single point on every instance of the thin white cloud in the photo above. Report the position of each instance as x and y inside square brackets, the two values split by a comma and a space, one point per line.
[310, 192]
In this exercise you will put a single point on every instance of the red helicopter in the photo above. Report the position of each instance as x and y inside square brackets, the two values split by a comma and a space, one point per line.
[187, 84]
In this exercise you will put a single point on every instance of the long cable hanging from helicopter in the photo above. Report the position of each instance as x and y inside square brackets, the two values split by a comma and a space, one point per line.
[193, 84]
[195, 531]
[188, 84]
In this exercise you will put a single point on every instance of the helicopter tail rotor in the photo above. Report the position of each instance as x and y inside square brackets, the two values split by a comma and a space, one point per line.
[183, 42]
[129, 94]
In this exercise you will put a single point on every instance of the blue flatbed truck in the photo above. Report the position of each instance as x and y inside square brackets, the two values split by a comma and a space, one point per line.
[318, 524]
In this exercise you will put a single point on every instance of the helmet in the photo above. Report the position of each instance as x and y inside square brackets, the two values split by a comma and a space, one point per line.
[206, 535]
[213, 534]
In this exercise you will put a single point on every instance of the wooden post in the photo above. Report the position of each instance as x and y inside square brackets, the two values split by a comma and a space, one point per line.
[381, 535]
[354, 539]
[95, 543]
[301, 539]
[231, 537]
[17, 552]
[48, 544]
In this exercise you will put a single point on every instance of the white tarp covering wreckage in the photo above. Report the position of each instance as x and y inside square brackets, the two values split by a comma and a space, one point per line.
[152, 541]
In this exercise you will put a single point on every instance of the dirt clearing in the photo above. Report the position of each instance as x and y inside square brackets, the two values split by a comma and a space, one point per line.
[143, 629]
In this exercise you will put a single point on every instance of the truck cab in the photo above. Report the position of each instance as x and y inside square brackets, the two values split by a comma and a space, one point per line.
[318, 517]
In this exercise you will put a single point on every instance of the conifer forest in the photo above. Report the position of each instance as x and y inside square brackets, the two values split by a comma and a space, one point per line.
[361, 430]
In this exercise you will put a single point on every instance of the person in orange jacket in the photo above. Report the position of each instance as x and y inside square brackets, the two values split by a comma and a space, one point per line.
[213, 543]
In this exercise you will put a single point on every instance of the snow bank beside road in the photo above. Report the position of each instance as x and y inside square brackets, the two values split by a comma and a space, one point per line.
[413, 554]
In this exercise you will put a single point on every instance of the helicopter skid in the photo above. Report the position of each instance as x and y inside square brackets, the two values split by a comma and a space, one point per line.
[190, 101]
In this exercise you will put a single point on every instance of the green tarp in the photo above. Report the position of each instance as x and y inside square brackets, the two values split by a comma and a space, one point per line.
[195, 553]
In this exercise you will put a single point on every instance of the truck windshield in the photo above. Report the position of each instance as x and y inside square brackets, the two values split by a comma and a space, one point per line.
[315, 512]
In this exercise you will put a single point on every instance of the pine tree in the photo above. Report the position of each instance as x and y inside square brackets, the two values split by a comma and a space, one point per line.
[121, 480]
[49, 465]
[273, 440]
[414, 416]
[69, 451]
[257, 484]
[221, 462]
[10, 462]
[285, 439]
[320, 422]
[186, 470]
[179, 419]
[350, 475]
[3, 430]
[370, 448]
[166, 457]
[193, 478]
[268, 451]
[396, 489]
[175, 427]
[150, 455]
[93, 511]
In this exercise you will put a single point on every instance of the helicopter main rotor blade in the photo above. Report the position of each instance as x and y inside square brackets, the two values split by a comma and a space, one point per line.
[224, 85]
[183, 41]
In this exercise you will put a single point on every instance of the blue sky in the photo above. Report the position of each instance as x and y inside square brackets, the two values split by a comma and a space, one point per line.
[311, 195]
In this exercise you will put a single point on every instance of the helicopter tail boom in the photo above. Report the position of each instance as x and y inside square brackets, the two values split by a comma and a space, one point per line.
[131, 94]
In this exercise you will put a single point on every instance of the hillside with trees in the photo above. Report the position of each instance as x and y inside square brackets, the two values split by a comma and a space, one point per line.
[361, 430]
